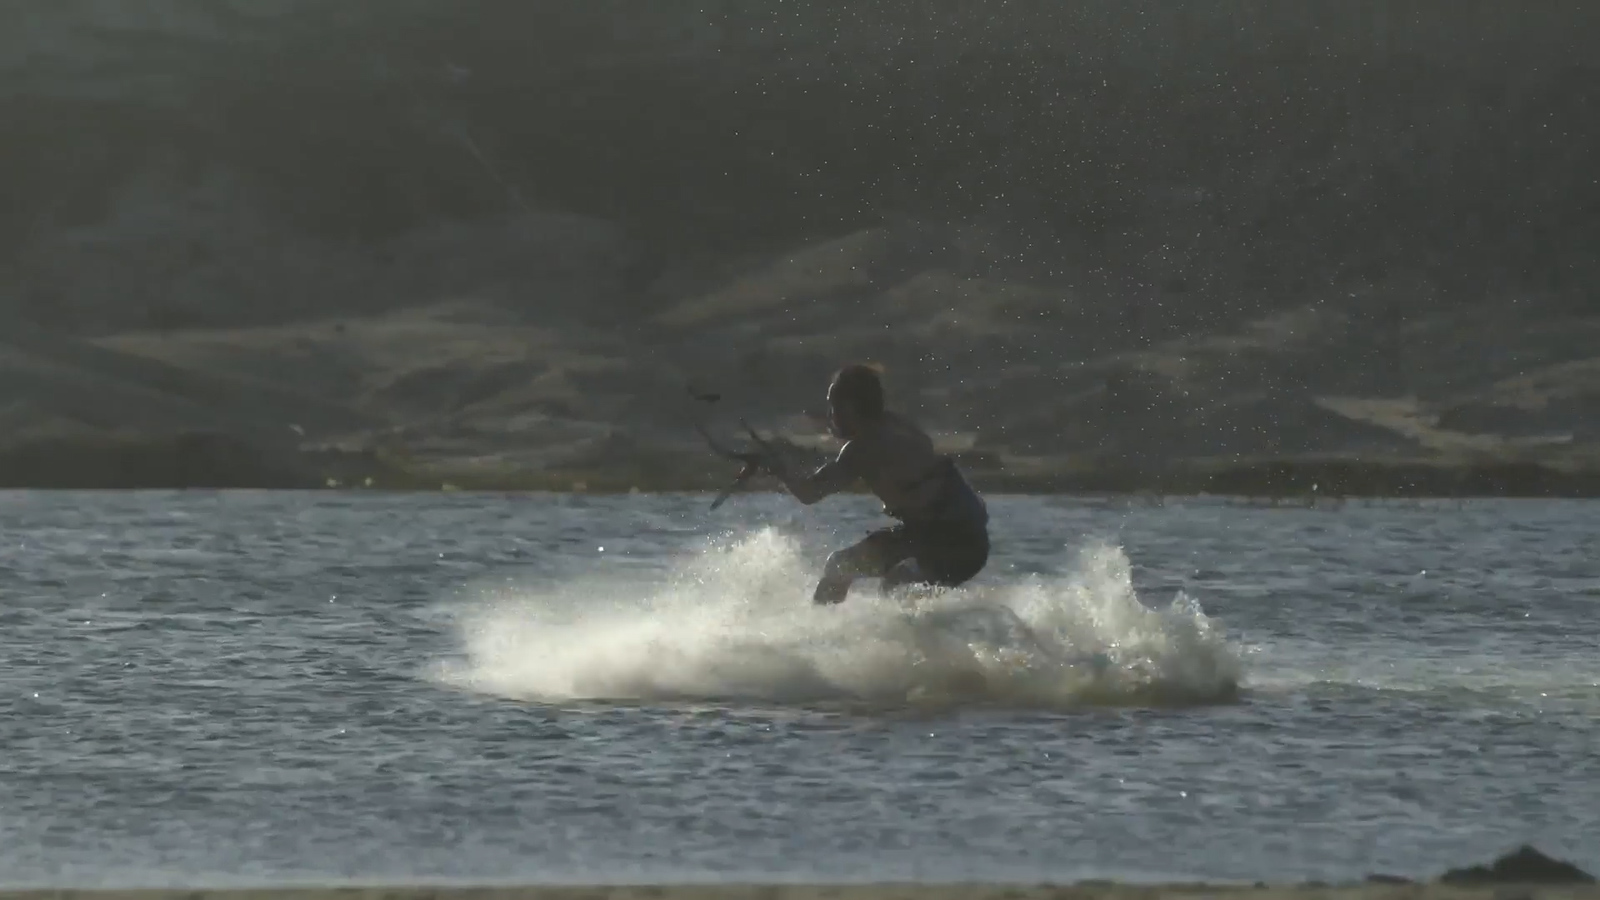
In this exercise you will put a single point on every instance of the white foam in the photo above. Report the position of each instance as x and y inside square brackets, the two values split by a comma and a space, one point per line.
[735, 623]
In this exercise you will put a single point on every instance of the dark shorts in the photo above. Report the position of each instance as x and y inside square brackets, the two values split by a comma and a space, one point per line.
[948, 555]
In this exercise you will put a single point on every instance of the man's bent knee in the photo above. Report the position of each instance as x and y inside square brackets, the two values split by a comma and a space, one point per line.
[865, 559]
[841, 569]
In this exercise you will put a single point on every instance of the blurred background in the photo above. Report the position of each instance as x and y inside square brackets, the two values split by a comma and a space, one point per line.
[278, 241]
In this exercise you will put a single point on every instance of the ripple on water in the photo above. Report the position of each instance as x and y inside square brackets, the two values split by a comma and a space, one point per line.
[269, 687]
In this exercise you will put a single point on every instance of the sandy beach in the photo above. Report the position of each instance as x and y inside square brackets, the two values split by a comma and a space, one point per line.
[1085, 891]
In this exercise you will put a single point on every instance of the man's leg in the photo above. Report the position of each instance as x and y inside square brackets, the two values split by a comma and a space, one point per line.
[950, 557]
[870, 557]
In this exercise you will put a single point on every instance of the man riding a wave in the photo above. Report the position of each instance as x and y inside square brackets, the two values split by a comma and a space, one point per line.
[942, 538]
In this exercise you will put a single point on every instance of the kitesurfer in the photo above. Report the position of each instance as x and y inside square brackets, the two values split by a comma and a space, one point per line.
[942, 536]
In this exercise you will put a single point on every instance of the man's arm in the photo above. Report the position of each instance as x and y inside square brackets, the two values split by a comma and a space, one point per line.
[834, 476]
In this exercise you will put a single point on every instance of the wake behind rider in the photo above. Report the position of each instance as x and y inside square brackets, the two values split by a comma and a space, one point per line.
[942, 537]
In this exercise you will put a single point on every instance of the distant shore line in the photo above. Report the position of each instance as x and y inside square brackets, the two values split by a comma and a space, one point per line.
[1524, 873]
[1282, 482]
[211, 461]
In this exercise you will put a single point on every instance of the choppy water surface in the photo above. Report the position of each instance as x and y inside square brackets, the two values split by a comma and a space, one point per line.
[302, 687]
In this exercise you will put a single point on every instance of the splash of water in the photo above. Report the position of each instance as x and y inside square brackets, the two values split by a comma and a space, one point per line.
[735, 624]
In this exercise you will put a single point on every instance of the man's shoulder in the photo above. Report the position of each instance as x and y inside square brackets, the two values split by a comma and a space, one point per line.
[861, 454]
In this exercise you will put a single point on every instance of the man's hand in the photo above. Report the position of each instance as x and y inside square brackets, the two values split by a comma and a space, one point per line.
[761, 458]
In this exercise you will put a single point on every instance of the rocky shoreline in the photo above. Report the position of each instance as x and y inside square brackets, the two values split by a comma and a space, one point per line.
[210, 460]
[1527, 872]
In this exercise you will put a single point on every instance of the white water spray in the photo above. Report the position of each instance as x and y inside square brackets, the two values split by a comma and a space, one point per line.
[735, 624]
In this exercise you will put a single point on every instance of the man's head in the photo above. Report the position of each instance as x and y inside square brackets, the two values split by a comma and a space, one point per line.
[855, 399]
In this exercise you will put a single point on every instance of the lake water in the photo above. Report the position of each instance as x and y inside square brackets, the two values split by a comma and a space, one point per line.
[264, 688]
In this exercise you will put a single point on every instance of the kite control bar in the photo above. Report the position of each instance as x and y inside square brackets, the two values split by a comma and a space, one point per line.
[763, 458]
